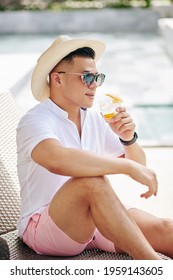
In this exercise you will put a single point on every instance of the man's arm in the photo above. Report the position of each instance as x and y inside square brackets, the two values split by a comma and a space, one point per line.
[122, 124]
[51, 155]
[136, 153]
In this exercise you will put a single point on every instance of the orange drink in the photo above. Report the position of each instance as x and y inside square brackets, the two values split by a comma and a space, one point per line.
[109, 105]
[109, 116]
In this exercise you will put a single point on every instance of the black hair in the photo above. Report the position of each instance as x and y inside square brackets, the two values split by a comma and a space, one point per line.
[82, 52]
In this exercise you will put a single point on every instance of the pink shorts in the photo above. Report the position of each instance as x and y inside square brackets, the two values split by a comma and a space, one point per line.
[44, 237]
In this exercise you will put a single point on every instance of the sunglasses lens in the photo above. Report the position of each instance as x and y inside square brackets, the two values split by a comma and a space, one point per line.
[100, 79]
[88, 78]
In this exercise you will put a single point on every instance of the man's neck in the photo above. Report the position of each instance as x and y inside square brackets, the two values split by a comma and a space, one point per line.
[73, 114]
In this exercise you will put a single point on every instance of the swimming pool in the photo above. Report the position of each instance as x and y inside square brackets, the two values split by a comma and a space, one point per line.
[136, 67]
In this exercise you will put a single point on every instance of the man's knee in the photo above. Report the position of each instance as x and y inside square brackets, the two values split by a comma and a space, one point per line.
[161, 229]
[92, 185]
[165, 227]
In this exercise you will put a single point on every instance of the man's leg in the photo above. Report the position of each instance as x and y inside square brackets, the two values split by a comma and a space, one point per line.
[158, 231]
[85, 203]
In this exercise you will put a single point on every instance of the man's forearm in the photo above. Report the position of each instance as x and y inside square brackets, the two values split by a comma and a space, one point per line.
[136, 153]
[77, 163]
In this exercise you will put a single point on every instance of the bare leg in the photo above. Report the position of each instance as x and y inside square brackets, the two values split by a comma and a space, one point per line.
[158, 231]
[85, 203]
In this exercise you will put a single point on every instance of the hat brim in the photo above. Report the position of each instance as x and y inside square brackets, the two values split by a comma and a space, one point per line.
[54, 54]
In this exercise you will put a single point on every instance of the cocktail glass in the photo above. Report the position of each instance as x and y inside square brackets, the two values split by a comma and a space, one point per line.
[108, 108]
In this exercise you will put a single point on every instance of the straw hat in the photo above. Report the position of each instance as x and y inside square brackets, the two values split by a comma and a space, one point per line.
[61, 47]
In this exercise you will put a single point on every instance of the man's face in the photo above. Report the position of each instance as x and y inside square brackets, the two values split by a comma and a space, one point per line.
[75, 92]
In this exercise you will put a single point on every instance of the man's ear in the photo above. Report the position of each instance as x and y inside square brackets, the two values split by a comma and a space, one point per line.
[56, 80]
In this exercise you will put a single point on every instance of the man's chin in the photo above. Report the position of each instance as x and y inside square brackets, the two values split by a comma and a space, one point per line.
[89, 105]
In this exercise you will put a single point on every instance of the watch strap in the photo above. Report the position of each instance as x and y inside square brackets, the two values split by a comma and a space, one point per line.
[128, 143]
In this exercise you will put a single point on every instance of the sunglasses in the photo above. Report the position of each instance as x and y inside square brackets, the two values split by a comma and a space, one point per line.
[88, 78]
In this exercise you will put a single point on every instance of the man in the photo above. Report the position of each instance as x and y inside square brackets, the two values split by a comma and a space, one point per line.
[65, 151]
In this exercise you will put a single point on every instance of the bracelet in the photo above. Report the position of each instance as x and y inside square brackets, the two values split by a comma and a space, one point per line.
[128, 143]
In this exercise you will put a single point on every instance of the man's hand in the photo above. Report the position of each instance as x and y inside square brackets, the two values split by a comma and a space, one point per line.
[145, 176]
[122, 124]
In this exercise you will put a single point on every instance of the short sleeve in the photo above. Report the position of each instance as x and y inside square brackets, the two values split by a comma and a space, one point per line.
[31, 131]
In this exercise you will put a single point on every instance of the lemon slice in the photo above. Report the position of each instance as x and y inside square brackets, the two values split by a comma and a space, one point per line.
[116, 99]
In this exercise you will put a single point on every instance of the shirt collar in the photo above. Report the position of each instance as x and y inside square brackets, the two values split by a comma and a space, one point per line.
[60, 112]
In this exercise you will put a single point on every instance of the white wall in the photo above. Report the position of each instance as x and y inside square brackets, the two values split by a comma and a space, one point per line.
[101, 20]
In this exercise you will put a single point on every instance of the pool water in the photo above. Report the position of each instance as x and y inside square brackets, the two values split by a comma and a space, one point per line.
[136, 65]
[155, 125]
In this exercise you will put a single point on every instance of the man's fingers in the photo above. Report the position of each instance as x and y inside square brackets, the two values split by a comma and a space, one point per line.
[148, 194]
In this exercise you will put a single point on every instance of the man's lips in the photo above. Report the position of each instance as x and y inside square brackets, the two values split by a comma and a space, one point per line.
[91, 95]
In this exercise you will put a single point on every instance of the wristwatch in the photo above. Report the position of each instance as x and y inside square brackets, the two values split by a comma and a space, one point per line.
[128, 143]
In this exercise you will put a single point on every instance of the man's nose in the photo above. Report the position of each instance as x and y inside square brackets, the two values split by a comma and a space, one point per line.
[93, 85]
